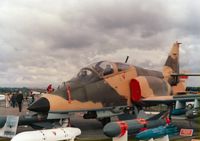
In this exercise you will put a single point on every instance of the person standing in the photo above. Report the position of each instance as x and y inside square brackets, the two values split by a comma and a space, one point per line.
[13, 100]
[7, 100]
[32, 98]
[50, 89]
[19, 100]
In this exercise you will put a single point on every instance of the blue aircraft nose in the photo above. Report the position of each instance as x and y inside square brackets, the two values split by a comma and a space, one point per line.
[41, 105]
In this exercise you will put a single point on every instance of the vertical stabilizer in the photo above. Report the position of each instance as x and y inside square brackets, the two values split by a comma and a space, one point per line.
[172, 64]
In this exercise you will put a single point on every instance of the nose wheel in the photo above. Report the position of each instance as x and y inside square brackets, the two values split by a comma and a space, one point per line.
[66, 122]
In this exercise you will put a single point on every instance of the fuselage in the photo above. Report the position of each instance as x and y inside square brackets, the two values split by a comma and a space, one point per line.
[105, 85]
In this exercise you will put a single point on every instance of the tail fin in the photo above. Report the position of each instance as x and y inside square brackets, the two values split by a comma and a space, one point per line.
[172, 64]
[172, 67]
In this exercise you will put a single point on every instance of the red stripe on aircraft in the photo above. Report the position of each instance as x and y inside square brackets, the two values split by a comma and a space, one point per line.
[69, 93]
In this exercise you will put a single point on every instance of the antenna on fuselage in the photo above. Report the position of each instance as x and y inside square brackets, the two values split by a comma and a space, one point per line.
[126, 59]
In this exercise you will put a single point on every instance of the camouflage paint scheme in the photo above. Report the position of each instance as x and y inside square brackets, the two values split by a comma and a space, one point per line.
[98, 91]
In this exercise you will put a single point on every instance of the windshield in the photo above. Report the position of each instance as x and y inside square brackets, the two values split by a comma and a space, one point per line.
[100, 69]
[85, 73]
[103, 68]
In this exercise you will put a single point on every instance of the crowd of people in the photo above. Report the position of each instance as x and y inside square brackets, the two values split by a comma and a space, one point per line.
[17, 99]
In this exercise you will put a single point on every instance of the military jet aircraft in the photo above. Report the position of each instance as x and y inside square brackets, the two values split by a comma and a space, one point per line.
[105, 89]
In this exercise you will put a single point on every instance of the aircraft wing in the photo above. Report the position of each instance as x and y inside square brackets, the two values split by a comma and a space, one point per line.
[170, 99]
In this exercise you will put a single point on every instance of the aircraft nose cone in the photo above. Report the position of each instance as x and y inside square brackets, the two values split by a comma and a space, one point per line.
[41, 105]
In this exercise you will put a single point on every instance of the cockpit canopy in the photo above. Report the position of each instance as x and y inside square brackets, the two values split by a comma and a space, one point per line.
[95, 72]
[101, 69]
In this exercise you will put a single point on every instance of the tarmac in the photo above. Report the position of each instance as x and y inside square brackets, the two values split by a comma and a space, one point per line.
[91, 128]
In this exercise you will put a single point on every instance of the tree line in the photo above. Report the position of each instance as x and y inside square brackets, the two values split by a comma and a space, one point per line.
[13, 90]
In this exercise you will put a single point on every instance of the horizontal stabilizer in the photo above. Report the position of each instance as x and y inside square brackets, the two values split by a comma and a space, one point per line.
[170, 99]
[185, 74]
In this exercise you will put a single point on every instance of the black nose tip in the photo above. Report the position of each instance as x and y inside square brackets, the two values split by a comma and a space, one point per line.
[41, 105]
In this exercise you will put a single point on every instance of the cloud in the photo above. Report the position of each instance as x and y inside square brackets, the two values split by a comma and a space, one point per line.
[48, 41]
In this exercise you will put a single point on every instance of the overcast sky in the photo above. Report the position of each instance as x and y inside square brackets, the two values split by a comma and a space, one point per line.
[48, 41]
